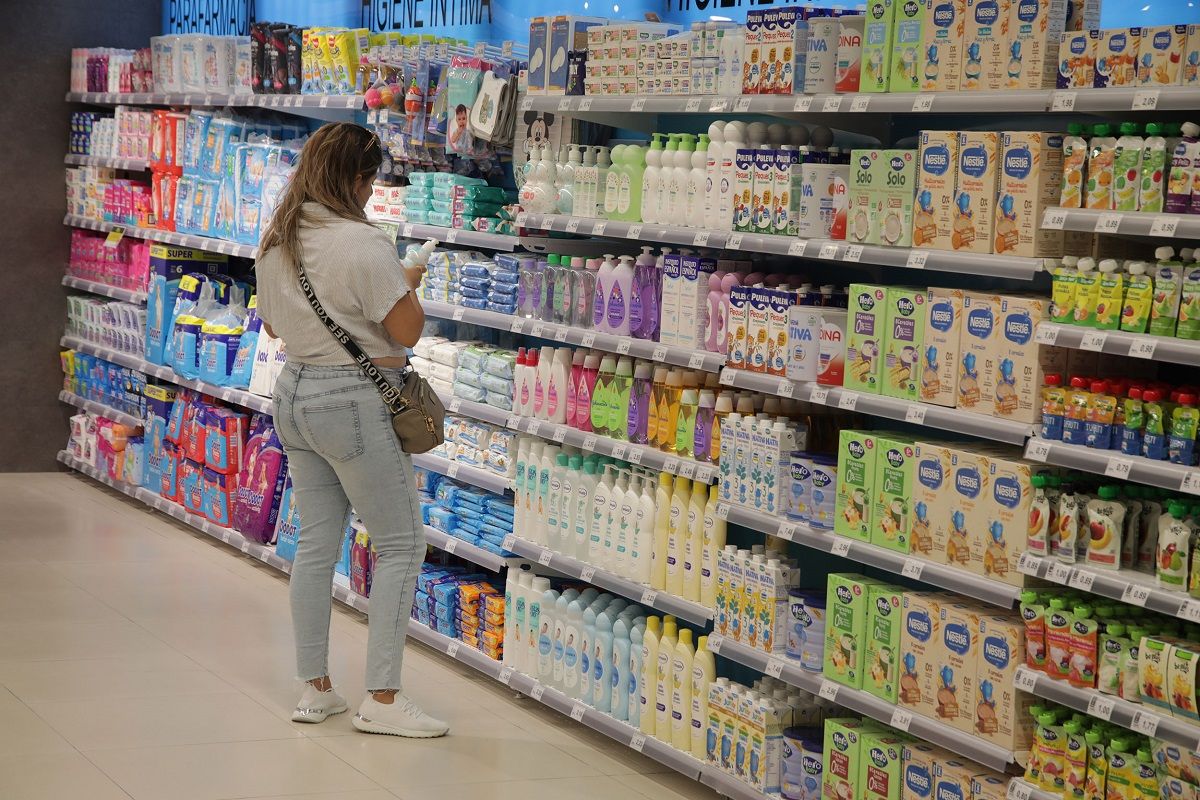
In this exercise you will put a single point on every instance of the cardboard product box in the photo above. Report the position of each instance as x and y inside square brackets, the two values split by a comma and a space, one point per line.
[1031, 166]
[958, 510]
[1083, 15]
[862, 226]
[1117, 51]
[881, 662]
[905, 325]
[976, 347]
[539, 54]
[789, 42]
[956, 657]
[895, 184]
[1001, 539]
[1001, 713]
[1076, 61]
[989, 786]
[891, 516]
[567, 33]
[1015, 370]
[985, 45]
[849, 53]
[846, 612]
[1190, 74]
[919, 644]
[881, 765]
[908, 60]
[952, 777]
[942, 45]
[920, 764]
[934, 463]
[877, 46]
[937, 173]
[939, 351]
[1160, 55]
[865, 337]
[975, 191]
[820, 65]
[1035, 28]
[752, 67]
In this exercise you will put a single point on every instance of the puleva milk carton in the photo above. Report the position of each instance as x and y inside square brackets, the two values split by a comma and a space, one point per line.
[908, 37]
[846, 628]
[905, 326]
[881, 665]
[930, 508]
[891, 517]
[1014, 373]
[937, 172]
[1001, 538]
[864, 341]
[855, 484]
[979, 330]
[954, 689]
[1160, 54]
[1030, 182]
[1002, 712]
[1035, 28]
[918, 644]
[975, 191]
[984, 45]
[877, 46]
[939, 347]
[942, 45]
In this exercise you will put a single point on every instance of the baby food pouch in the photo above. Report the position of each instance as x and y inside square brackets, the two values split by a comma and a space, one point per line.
[1087, 293]
[1102, 154]
[1181, 679]
[1168, 291]
[1051, 739]
[1101, 409]
[1085, 644]
[1075, 418]
[1113, 645]
[1154, 434]
[1106, 523]
[1130, 663]
[1122, 770]
[1054, 407]
[1033, 613]
[1075, 760]
[1097, 766]
[1075, 153]
[1152, 671]
[1133, 516]
[1174, 539]
[1189, 305]
[1069, 520]
[1064, 283]
[1147, 548]
[1139, 295]
[1181, 446]
[1038, 541]
[1110, 293]
[1058, 639]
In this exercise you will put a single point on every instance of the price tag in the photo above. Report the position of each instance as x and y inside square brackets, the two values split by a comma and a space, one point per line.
[457, 314]
[692, 105]
[723, 510]
[1054, 219]
[589, 442]
[517, 326]
[828, 251]
[585, 104]
[537, 692]
[634, 232]
[671, 465]
[917, 259]
[796, 248]
[560, 434]
[841, 547]
[922, 102]
[564, 104]
[114, 237]
[774, 667]
[696, 361]
[455, 405]
[786, 388]
[452, 649]
[1144, 100]
[1100, 707]
[513, 422]
[819, 395]
[635, 456]
[1118, 467]
[451, 545]
[537, 329]
[853, 253]
[1026, 680]
[1142, 348]
[1058, 572]
[720, 104]
[1046, 334]
[572, 225]
[859, 103]
[598, 228]
[1082, 580]
[535, 425]
[901, 719]
[1062, 101]
[619, 450]
[1144, 723]
[1190, 482]
[578, 710]
[803, 103]
[1037, 450]
[715, 640]
[588, 339]
[687, 470]
[406, 230]
[226, 536]
[659, 353]
[560, 334]
[522, 218]
[508, 542]
[638, 104]
[912, 569]
[648, 597]
[915, 414]
[587, 574]
[832, 104]
[1164, 226]
[1019, 790]
[324, 102]
[526, 104]
[701, 239]
[787, 530]
[848, 401]
[623, 347]
[734, 242]
[1136, 595]
[1189, 610]
[1028, 564]
[1093, 340]
[828, 690]
[741, 105]
[638, 741]
[452, 470]
[544, 557]
[1107, 223]
[505, 675]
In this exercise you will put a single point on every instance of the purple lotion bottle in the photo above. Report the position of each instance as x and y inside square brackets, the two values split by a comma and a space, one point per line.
[639, 404]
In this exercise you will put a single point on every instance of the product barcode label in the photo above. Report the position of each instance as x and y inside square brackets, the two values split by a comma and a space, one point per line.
[1190, 482]
[537, 692]
[544, 557]
[638, 104]
[1054, 219]
[244, 546]
[741, 105]
[696, 361]
[1135, 594]
[638, 741]
[1144, 723]
[734, 242]
[560, 334]
[832, 104]
[1093, 340]
[797, 248]
[619, 450]
[535, 425]
[1108, 223]
[853, 253]
[513, 422]
[406, 230]
[671, 465]
[803, 103]
[573, 225]
[508, 542]
[727, 377]
[912, 568]
[901, 719]
[917, 259]
[635, 456]
[1026, 680]
[1028, 564]
[505, 675]
[1164, 226]
[451, 545]
[848, 401]
[560, 434]
[1037, 450]
[692, 105]
[841, 546]
[774, 667]
[1189, 610]
[786, 388]
[1100, 707]
[324, 103]
[648, 597]
[517, 326]
[1062, 101]
[578, 710]
[1142, 348]
[828, 251]
[1082, 580]
[457, 314]
[521, 219]
[1145, 100]
[701, 239]
[589, 442]
[819, 395]
[859, 104]
[586, 574]
[715, 640]
[1118, 467]
[451, 235]
[915, 414]
[828, 690]
[599, 227]
[787, 530]
[537, 329]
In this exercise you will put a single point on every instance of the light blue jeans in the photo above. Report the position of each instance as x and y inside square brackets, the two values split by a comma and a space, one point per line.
[342, 452]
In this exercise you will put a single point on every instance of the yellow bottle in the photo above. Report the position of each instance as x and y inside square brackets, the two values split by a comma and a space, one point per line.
[704, 672]
[685, 423]
[722, 409]
[662, 527]
[677, 529]
[667, 423]
[681, 691]
[658, 388]
[693, 545]
[648, 679]
[662, 679]
[712, 543]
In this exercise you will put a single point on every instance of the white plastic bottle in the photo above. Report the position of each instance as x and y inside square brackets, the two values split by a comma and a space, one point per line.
[523, 385]
[681, 691]
[622, 644]
[612, 183]
[603, 166]
[566, 519]
[556, 394]
[566, 181]
[648, 689]
[510, 615]
[636, 636]
[704, 672]
[662, 202]
[581, 514]
[676, 535]
[713, 544]
[520, 629]
[560, 629]
[625, 524]
[557, 501]
[586, 645]
[585, 186]
[545, 472]
[573, 634]
[519, 486]
[652, 178]
[680, 179]
[541, 628]
[662, 531]
[599, 518]
[662, 679]
[602, 652]
[612, 523]
[643, 562]
[693, 546]
[531, 508]
[712, 171]
[735, 139]
[697, 191]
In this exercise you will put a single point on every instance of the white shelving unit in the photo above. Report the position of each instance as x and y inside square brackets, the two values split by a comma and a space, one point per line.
[1120, 343]
[940, 417]
[1135, 223]
[463, 236]
[820, 249]
[1128, 586]
[1140, 717]
[167, 237]
[95, 287]
[483, 478]
[283, 102]
[464, 549]
[922, 727]
[132, 164]
[567, 334]
[72, 399]
[1021, 789]
[917, 569]
[1114, 464]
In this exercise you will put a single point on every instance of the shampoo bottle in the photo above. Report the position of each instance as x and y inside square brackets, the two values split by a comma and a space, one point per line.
[573, 386]
[643, 562]
[639, 405]
[711, 546]
[662, 531]
[619, 290]
[704, 672]
[612, 183]
[681, 691]
[560, 627]
[587, 386]
[581, 511]
[652, 179]
[619, 398]
[566, 516]
[599, 518]
[629, 199]
[677, 535]
[647, 679]
[541, 381]
[662, 679]
[693, 212]
[712, 172]
[622, 647]
[556, 393]
[658, 388]
[541, 627]
[693, 545]
[601, 408]
[600, 301]
[685, 424]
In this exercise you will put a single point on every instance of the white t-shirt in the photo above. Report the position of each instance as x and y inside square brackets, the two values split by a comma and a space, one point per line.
[356, 273]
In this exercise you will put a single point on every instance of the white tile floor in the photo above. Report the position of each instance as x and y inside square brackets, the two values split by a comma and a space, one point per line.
[140, 659]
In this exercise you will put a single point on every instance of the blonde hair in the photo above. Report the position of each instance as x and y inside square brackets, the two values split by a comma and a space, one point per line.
[332, 160]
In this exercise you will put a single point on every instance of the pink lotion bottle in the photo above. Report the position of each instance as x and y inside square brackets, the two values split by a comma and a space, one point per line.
[573, 385]
[583, 396]
[518, 401]
[712, 324]
[727, 283]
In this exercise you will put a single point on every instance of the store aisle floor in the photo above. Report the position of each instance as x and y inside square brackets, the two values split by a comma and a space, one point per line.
[140, 659]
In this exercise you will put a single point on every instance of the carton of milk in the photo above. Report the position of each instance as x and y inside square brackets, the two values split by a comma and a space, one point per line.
[942, 45]
[975, 193]
[820, 67]
[937, 170]
[984, 45]
[894, 188]
[877, 46]
[1035, 28]
[803, 342]
[1015, 372]
[940, 347]
[1117, 52]
[905, 326]
[919, 641]
[1030, 180]
[1076, 61]
[909, 35]
[978, 333]
[931, 474]
[758, 329]
[752, 53]
[954, 689]
[1160, 54]
[864, 343]
[855, 484]
[823, 196]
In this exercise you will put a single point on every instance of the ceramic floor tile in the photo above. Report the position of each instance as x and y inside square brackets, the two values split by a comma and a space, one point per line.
[370, 794]
[24, 733]
[90, 679]
[667, 786]
[59, 641]
[588, 788]
[54, 604]
[55, 777]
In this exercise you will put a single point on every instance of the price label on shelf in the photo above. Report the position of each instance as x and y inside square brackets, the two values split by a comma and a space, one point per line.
[1135, 594]
[1189, 610]
[451, 545]
[638, 741]
[458, 314]
[692, 105]
[774, 667]
[1062, 101]
[508, 542]
[718, 105]
[1093, 340]
[802, 104]
[452, 649]
[741, 105]
[455, 405]
[832, 104]
[452, 236]
[564, 104]
[715, 640]
[1164, 226]
[505, 675]
[912, 568]
[841, 546]
[786, 530]
[638, 104]
[734, 242]
[922, 102]
[226, 536]
[535, 426]
[1019, 790]
[406, 230]
[853, 253]
[1026, 680]
[671, 465]
[797, 247]
[848, 401]
[901, 719]
[245, 546]
[723, 510]
[1054, 219]
[659, 353]
[588, 339]
[585, 104]
[696, 361]
[859, 103]
[786, 388]
[560, 334]
[701, 239]
[687, 470]
[1028, 564]
[324, 102]
[1144, 723]
[828, 690]
[589, 442]
[587, 574]
[635, 456]
[634, 232]
[1118, 468]
[578, 710]
[521, 219]
[1190, 482]
[727, 377]
[572, 225]
[648, 597]
[917, 259]
[1100, 707]
[544, 557]
[598, 228]
[517, 326]
[1142, 347]
[513, 422]
[537, 692]
[537, 329]
[1058, 573]
[819, 395]
[1107, 223]
[828, 251]
[1144, 100]
[1037, 450]
[619, 450]
[560, 434]
[915, 414]
[452, 470]
[1082, 580]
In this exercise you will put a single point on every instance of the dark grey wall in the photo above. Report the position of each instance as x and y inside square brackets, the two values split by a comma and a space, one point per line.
[34, 124]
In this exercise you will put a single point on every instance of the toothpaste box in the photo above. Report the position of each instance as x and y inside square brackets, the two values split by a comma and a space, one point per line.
[866, 172]
[1116, 56]
[985, 43]
[1031, 166]
[931, 473]
[919, 642]
[881, 765]
[843, 756]
[881, 662]
[960, 512]
[979, 330]
[975, 193]
[752, 53]
[1190, 74]
[1076, 61]
[831, 369]
[1035, 29]
[955, 656]
[846, 613]
[908, 61]
[937, 170]
[1160, 55]
[894, 187]
[1015, 369]
[539, 54]
[1001, 537]
[1001, 712]
[877, 46]
[905, 326]
[920, 763]
[864, 343]
[891, 513]
[942, 45]
[855, 484]
[939, 351]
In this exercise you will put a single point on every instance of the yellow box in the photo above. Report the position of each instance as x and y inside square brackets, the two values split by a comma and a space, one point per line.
[933, 470]
[955, 659]
[1001, 712]
[960, 515]
[1161, 50]
[975, 348]
[1030, 182]
[1014, 374]
[919, 646]
[942, 47]
[939, 356]
[975, 191]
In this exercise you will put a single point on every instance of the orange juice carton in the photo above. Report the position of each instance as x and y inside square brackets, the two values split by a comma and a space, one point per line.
[920, 764]
[1012, 389]
[1031, 164]
[985, 42]
[1001, 538]
[975, 348]
[1076, 61]
[955, 658]
[1190, 74]
[937, 170]
[942, 45]
[975, 192]
[1160, 56]
[1116, 56]
[961, 512]
[1034, 30]
[929, 509]
[939, 350]
[1182, 675]
[952, 777]
[881, 765]
[1001, 712]
[920, 642]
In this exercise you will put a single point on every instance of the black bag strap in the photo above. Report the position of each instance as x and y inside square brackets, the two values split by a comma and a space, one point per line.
[391, 395]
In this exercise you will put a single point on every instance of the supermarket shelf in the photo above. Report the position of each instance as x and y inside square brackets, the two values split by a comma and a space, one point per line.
[167, 237]
[91, 406]
[625, 345]
[95, 287]
[347, 102]
[1128, 586]
[1163, 474]
[947, 419]
[941, 575]
[483, 478]
[488, 241]
[668, 604]
[238, 397]
[1021, 789]
[922, 727]
[1120, 343]
[1177, 98]
[464, 549]
[133, 164]
[1134, 223]
[1136, 716]
[821, 249]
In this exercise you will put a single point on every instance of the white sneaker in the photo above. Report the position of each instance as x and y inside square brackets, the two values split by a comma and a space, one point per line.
[402, 718]
[317, 706]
